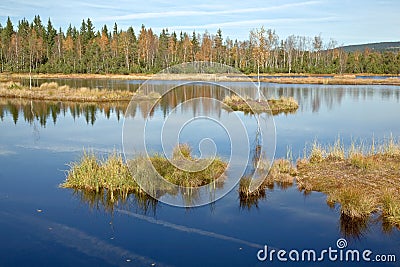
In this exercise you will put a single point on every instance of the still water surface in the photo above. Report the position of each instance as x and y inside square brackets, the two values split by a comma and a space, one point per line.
[42, 224]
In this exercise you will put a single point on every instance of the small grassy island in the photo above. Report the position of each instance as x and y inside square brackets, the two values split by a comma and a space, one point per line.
[362, 181]
[112, 175]
[53, 92]
[274, 106]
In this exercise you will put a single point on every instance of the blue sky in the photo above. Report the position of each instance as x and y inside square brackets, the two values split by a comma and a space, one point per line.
[346, 21]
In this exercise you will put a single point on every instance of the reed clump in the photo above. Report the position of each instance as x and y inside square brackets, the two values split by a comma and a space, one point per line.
[11, 85]
[354, 202]
[116, 177]
[281, 173]
[362, 179]
[274, 106]
[143, 96]
[186, 174]
[95, 175]
[49, 86]
[390, 201]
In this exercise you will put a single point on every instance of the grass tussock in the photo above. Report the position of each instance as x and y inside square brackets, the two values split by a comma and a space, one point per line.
[53, 92]
[187, 174]
[94, 175]
[114, 177]
[335, 152]
[354, 204]
[391, 206]
[249, 199]
[281, 173]
[361, 179]
[142, 96]
[274, 106]
[283, 104]
[11, 85]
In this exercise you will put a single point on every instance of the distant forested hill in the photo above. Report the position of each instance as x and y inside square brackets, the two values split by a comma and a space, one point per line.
[377, 47]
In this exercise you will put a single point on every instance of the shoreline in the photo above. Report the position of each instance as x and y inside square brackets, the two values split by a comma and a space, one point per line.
[359, 180]
[279, 78]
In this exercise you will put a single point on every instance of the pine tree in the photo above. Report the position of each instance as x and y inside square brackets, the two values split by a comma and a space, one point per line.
[51, 33]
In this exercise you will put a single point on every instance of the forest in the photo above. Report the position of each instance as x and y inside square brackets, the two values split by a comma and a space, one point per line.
[38, 47]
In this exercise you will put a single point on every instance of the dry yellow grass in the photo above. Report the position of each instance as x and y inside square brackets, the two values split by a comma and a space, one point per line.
[274, 106]
[53, 92]
[113, 177]
[361, 181]
[92, 174]
[282, 173]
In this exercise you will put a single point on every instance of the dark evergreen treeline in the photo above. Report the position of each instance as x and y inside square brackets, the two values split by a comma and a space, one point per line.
[34, 47]
[381, 47]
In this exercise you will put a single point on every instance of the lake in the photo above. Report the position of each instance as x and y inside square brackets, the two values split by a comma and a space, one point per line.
[44, 225]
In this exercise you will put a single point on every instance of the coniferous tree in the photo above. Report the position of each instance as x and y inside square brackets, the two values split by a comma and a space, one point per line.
[32, 47]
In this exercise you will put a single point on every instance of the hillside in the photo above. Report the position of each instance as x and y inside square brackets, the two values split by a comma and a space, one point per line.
[380, 47]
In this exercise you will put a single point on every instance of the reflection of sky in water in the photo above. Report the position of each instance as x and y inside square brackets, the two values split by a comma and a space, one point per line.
[193, 133]
[326, 111]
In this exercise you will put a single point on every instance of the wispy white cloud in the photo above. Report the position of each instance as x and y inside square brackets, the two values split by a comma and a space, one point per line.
[271, 8]
[8, 8]
[99, 6]
[192, 13]
[257, 22]
[6, 11]
[151, 15]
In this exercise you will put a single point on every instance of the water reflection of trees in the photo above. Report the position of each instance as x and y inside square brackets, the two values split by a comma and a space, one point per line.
[173, 98]
[310, 97]
[315, 97]
[184, 93]
[45, 111]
